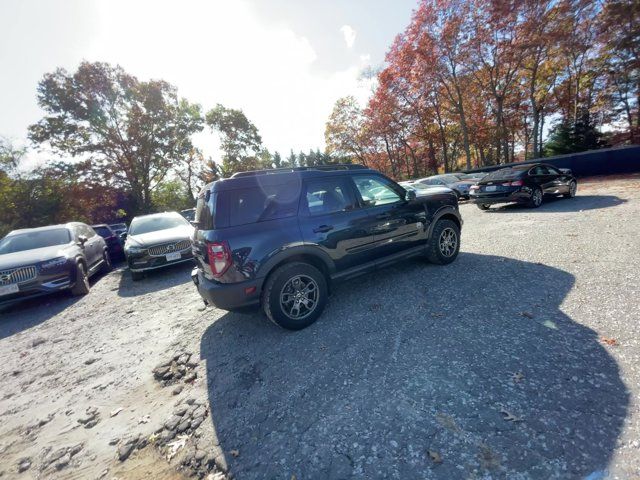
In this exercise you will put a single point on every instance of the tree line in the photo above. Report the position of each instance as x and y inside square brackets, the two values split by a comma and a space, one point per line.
[471, 83]
[128, 149]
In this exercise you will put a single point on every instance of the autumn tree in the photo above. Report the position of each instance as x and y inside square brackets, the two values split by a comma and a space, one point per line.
[134, 132]
[343, 133]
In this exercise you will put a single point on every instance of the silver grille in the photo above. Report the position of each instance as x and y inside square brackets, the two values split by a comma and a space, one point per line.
[17, 275]
[160, 250]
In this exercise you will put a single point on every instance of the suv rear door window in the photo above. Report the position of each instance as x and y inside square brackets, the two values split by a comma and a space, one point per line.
[268, 202]
[326, 195]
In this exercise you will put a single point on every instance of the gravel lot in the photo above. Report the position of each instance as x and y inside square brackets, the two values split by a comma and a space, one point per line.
[520, 360]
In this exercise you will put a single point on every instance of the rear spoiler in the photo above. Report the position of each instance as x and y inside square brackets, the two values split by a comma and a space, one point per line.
[566, 170]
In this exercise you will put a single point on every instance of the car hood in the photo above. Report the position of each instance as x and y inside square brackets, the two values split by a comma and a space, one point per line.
[160, 236]
[32, 257]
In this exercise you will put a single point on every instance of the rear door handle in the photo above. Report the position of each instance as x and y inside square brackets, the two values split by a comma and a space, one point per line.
[323, 229]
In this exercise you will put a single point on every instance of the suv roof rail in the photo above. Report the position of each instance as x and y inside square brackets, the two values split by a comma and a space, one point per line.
[335, 166]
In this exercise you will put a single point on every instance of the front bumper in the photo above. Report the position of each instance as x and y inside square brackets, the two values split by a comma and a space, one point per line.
[228, 296]
[37, 288]
[145, 262]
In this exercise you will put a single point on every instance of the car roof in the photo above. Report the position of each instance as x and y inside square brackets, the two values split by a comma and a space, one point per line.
[278, 176]
[68, 226]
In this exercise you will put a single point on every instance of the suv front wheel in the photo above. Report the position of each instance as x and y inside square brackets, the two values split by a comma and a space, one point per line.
[295, 295]
[444, 243]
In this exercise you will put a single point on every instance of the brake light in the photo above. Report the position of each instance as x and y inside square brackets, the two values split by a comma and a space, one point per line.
[515, 183]
[219, 258]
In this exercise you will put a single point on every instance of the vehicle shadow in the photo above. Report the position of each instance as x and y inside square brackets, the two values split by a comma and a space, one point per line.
[559, 204]
[154, 280]
[464, 371]
[33, 311]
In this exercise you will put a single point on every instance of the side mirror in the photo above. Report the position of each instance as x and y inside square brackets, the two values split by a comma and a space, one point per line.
[410, 196]
[82, 240]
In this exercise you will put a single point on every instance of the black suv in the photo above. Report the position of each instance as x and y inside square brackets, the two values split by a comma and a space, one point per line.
[279, 238]
[38, 261]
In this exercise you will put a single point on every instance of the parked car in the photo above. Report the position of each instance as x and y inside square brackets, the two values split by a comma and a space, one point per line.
[473, 177]
[189, 214]
[119, 228]
[419, 188]
[112, 239]
[525, 184]
[157, 240]
[38, 261]
[280, 238]
[453, 181]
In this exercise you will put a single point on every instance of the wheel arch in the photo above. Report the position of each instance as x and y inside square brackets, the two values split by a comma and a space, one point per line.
[310, 255]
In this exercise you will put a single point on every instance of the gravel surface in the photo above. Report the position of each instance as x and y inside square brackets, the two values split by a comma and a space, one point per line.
[519, 360]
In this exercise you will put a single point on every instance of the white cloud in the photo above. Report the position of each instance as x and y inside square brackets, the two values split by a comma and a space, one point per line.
[349, 35]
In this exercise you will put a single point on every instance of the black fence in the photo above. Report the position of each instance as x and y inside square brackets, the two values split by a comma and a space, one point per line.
[606, 161]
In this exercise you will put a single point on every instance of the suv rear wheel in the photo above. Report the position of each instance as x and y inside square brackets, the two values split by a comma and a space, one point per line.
[444, 243]
[295, 295]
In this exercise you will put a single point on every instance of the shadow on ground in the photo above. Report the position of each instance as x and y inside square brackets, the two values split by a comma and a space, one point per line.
[559, 204]
[155, 280]
[33, 311]
[422, 372]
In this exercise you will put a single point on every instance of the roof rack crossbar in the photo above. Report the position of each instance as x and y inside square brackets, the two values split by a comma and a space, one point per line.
[335, 166]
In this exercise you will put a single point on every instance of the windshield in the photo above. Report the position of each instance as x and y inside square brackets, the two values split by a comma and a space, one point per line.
[504, 174]
[153, 224]
[33, 240]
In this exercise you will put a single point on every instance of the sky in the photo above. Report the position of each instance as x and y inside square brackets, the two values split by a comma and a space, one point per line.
[283, 62]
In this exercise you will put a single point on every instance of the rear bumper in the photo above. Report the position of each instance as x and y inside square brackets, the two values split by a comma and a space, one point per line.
[228, 296]
[519, 196]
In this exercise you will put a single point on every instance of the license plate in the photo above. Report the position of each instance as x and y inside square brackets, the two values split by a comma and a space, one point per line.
[9, 289]
[173, 256]
[490, 188]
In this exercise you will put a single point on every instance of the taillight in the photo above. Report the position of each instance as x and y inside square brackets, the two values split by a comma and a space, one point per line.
[515, 183]
[219, 258]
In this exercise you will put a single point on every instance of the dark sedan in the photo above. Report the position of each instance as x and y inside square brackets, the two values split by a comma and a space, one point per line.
[38, 261]
[525, 184]
[157, 240]
[112, 239]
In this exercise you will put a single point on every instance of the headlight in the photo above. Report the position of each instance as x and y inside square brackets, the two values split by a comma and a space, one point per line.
[135, 250]
[54, 263]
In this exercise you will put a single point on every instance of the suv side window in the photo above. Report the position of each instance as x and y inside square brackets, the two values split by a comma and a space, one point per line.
[376, 190]
[326, 195]
[269, 202]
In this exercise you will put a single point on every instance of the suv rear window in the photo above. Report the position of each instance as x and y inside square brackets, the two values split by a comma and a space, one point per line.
[267, 202]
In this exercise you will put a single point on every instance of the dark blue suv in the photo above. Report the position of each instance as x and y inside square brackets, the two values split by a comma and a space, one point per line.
[280, 238]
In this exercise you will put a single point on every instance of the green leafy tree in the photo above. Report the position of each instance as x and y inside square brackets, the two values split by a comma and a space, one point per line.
[171, 195]
[134, 132]
[277, 160]
[577, 137]
[241, 142]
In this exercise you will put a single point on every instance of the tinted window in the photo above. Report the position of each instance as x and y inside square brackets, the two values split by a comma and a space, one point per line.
[553, 171]
[85, 230]
[265, 202]
[152, 224]
[103, 231]
[504, 174]
[539, 170]
[205, 211]
[326, 195]
[432, 181]
[32, 240]
[376, 190]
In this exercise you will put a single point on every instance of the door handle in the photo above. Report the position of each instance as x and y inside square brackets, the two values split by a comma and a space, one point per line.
[323, 229]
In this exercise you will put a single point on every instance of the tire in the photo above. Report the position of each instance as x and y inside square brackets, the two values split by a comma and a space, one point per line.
[483, 206]
[536, 198]
[107, 266]
[281, 284]
[135, 276]
[573, 187]
[444, 243]
[82, 286]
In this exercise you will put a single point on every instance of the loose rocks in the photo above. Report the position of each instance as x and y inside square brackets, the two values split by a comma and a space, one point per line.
[179, 368]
